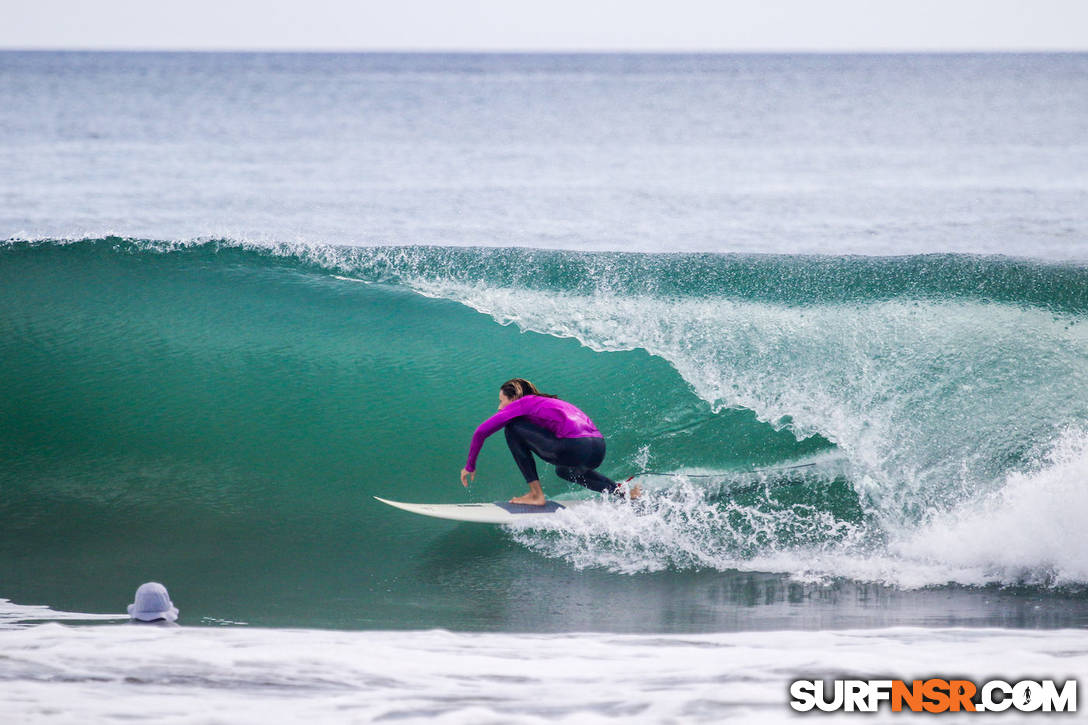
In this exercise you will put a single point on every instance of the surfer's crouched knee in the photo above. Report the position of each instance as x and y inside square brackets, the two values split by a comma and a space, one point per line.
[574, 474]
[587, 477]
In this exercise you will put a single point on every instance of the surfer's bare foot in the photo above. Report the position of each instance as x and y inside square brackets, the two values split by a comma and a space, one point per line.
[535, 497]
[636, 493]
[532, 499]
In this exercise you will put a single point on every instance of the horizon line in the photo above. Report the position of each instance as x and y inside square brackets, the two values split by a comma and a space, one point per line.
[554, 51]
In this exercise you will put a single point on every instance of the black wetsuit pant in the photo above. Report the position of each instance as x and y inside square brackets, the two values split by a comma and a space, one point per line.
[574, 458]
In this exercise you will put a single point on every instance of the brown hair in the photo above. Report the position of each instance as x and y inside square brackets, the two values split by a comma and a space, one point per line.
[515, 388]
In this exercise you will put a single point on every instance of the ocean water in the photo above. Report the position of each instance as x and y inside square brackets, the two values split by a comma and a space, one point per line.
[829, 309]
[797, 154]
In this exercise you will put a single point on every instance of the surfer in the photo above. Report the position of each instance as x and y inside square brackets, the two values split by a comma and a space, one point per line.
[553, 429]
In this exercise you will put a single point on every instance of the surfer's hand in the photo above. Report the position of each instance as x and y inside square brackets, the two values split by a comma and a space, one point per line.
[466, 476]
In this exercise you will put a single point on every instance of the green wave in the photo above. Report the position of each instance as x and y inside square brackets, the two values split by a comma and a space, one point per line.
[214, 405]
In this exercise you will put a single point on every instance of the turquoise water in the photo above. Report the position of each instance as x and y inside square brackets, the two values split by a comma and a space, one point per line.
[218, 415]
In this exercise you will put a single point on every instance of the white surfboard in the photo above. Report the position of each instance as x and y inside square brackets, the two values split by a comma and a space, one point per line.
[499, 512]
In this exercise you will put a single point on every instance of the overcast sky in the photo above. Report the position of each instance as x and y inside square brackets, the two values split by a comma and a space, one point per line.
[724, 25]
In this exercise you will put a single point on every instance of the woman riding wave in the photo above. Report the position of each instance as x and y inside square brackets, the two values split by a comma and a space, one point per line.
[553, 429]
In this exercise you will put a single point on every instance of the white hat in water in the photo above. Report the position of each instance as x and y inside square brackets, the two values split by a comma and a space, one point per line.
[152, 602]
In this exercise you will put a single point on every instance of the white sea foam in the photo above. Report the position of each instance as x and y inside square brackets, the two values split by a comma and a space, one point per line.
[26, 615]
[683, 527]
[59, 674]
[1032, 530]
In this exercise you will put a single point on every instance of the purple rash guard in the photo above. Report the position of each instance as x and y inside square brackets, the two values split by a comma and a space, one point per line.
[558, 416]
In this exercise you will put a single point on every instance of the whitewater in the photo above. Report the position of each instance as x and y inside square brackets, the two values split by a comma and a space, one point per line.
[252, 676]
